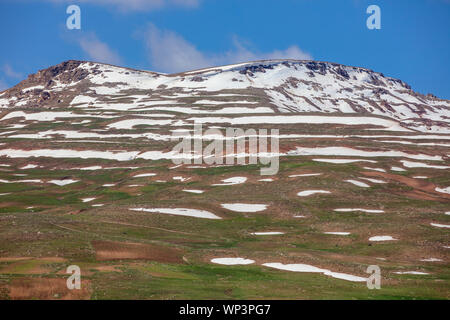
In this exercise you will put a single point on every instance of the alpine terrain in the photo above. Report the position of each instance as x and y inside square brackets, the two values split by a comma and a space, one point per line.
[89, 177]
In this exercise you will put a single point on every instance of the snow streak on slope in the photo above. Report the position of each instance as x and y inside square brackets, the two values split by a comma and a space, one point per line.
[286, 86]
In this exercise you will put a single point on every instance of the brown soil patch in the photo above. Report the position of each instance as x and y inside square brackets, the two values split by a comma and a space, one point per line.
[7, 259]
[52, 259]
[44, 259]
[108, 268]
[23, 265]
[9, 204]
[47, 289]
[422, 186]
[421, 195]
[143, 226]
[74, 212]
[110, 250]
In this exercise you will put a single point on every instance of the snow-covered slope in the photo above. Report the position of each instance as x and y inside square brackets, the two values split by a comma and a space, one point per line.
[272, 86]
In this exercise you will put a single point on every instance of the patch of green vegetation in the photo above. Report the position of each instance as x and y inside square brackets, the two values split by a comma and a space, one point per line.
[156, 187]
[286, 165]
[248, 169]
[11, 209]
[208, 281]
[112, 195]
[16, 188]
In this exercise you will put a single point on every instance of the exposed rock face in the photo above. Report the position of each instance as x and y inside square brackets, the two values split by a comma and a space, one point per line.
[67, 71]
[44, 80]
[283, 85]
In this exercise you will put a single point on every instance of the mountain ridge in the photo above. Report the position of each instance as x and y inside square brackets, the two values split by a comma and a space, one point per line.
[284, 85]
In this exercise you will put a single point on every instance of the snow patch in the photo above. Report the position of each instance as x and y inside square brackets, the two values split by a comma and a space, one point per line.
[411, 272]
[338, 233]
[244, 207]
[142, 175]
[311, 269]
[232, 181]
[342, 161]
[311, 192]
[440, 225]
[269, 233]
[193, 191]
[410, 164]
[305, 175]
[180, 212]
[358, 209]
[431, 260]
[443, 190]
[382, 238]
[232, 261]
[63, 182]
[358, 183]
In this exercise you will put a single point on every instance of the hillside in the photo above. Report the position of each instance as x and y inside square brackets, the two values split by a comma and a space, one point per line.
[87, 177]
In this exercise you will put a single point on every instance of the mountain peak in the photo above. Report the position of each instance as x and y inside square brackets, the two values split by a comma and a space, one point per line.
[284, 86]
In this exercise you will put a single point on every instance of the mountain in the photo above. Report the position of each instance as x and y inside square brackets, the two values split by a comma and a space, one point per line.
[89, 178]
[262, 87]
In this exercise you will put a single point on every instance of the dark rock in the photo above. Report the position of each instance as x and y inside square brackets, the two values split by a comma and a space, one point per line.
[318, 67]
[197, 79]
[340, 71]
[250, 70]
[379, 91]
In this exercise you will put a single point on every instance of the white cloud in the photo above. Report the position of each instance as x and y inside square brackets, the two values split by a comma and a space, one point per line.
[170, 52]
[10, 72]
[241, 54]
[133, 5]
[98, 50]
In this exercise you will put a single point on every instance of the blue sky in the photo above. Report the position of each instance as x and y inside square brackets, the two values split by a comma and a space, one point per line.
[176, 35]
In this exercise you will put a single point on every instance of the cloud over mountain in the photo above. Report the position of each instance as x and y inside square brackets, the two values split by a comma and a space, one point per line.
[170, 52]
